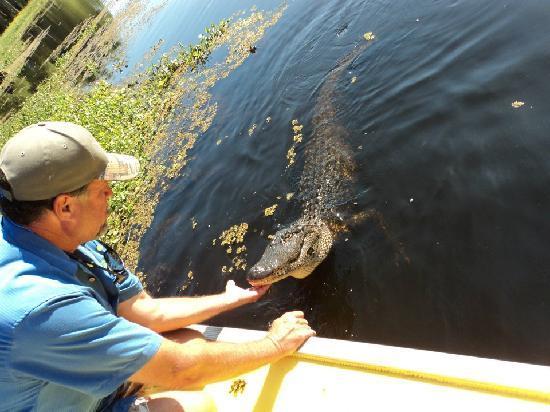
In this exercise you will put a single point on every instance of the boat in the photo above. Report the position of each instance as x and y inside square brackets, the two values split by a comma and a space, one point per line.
[330, 374]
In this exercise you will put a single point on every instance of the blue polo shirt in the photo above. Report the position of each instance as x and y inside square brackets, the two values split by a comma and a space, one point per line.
[62, 346]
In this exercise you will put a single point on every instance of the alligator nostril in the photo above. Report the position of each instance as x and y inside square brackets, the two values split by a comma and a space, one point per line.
[258, 272]
[310, 251]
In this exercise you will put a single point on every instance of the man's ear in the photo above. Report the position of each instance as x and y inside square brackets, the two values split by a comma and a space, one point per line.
[64, 206]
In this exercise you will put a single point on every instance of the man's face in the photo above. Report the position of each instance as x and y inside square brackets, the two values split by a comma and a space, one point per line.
[93, 209]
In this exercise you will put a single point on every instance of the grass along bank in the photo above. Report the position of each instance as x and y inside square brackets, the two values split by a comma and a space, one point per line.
[144, 115]
[10, 41]
[30, 38]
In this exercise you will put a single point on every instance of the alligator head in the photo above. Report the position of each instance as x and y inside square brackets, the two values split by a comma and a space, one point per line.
[294, 251]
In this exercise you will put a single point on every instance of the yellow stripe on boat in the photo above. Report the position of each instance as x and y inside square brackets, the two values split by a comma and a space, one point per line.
[330, 374]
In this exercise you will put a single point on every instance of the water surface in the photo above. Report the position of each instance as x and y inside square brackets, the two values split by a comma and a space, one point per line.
[460, 176]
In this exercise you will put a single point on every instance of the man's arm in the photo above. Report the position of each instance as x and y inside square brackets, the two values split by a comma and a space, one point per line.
[195, 363]
[166, 314]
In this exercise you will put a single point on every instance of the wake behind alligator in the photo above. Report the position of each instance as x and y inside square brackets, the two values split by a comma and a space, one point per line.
[325, 183]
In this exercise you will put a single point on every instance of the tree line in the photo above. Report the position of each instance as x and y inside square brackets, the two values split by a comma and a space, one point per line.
[8, 11]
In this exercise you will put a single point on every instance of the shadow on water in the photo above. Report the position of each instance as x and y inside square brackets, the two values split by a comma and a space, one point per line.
[460, 176]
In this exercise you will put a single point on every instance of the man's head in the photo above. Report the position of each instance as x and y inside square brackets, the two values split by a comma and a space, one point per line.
[59, 168]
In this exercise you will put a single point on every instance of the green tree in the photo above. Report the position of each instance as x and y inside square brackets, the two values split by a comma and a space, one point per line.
[8, 11]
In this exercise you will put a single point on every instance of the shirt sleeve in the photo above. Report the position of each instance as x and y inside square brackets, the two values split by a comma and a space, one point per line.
[130, 287]
[73, 341]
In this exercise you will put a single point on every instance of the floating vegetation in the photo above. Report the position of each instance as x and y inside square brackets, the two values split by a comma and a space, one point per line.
[353, 79]
[269, 211]
[194, 223]
[234, 236]
[252, 128]
[296, 138]
[289, 195]
[290, 156]
[239, 263]
[369, 36]
[516, 104]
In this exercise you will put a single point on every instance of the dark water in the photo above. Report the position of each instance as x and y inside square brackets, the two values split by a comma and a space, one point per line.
[461, 178]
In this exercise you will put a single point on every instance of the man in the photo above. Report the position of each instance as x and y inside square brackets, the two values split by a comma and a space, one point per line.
[75, 325]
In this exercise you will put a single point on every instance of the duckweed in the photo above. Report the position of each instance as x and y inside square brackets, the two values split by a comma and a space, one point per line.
[269, 211]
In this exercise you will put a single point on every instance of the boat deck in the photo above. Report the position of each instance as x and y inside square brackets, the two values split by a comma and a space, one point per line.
[327, 374]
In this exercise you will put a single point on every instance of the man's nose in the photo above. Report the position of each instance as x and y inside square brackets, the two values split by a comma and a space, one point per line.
[108, 190]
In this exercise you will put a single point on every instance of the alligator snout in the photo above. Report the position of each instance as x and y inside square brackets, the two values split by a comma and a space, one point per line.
[294, 251]
[259, 275]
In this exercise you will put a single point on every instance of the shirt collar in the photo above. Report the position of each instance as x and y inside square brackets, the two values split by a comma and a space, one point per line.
[24, 238]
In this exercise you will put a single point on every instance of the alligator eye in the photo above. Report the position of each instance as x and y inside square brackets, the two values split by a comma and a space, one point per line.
[310, 251]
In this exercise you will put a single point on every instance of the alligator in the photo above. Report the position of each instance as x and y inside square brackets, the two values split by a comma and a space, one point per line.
[325, 183]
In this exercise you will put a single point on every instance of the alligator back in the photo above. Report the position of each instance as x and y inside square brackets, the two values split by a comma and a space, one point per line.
[329, 166]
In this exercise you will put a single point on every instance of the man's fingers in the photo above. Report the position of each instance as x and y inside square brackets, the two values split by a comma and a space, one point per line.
[261, 289]
[296, 314]
[290, 331]
[309, 332]
[306, 333]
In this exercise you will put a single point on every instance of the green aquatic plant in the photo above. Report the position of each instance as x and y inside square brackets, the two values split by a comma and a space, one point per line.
[189, 56]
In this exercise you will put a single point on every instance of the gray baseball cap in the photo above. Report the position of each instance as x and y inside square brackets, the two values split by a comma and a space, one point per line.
[50, 158]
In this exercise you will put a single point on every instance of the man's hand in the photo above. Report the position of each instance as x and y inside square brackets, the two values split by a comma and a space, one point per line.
[166, 314]
[240, 296]
[289, 332]
[195, 363]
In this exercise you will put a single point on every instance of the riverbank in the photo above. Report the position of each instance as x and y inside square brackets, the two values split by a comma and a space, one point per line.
[11, 42]
[144, 116]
